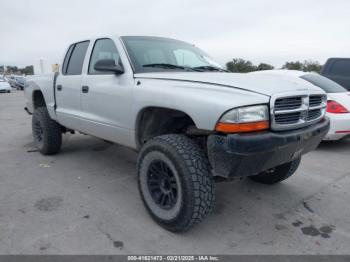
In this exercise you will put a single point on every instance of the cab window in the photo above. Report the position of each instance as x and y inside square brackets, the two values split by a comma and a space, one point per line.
[103, 49]
[76, 59]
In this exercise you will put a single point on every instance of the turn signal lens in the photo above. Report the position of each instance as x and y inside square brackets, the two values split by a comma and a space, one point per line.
[242, 127]
[335, 107]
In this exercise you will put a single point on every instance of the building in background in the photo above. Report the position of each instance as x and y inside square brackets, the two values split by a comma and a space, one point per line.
[41, 66]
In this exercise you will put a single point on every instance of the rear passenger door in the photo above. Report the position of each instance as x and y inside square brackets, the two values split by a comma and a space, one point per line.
[68, 86]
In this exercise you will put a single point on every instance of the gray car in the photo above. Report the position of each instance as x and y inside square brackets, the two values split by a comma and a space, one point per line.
[19, 82]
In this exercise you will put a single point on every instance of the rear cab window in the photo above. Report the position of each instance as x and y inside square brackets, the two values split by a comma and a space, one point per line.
[324, 83]
[74, 60]
[66, 59]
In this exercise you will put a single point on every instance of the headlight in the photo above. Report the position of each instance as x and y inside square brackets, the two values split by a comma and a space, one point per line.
[244, 119]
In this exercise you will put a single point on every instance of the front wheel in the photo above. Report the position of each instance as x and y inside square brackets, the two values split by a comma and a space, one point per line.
[46, 132]
[175, 182]
[277, 174]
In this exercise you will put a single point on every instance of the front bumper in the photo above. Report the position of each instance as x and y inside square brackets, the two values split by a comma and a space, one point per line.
[240, 155]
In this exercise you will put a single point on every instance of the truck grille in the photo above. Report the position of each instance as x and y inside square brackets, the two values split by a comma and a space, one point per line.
[297, 111]
[313, 114]
[288, 103]
[287, 118]
[315, 100]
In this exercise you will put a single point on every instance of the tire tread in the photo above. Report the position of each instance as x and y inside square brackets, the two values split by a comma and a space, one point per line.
[198, 168]
[53, 139]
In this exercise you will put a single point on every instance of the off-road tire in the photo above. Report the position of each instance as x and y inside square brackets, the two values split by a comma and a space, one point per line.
[278, 173]
[195, 181]
[51, 134]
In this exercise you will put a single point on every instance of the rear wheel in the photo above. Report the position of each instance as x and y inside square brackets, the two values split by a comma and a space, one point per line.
[277, 174]
[46, 132]
[175, 182]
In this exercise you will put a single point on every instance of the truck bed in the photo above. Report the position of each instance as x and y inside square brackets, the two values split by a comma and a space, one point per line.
[45, 83]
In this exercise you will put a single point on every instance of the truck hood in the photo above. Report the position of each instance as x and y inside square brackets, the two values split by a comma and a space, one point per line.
[262, 84]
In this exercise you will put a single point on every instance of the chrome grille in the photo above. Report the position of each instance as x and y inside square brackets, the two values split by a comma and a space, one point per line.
[288, 103]
[291, 118]
[296, 111]
[313, 114]
[315, 100]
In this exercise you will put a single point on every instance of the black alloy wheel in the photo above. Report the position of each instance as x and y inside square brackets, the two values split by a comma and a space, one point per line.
[162, 184]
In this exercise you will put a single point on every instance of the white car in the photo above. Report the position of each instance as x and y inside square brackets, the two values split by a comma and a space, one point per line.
[338, 100]
[4, 86]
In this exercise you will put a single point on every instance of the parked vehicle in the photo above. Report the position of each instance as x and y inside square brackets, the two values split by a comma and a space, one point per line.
[338, 103]
[12, 81]
[4, 86]
[20, 82]
[190, 120]
[338, 69]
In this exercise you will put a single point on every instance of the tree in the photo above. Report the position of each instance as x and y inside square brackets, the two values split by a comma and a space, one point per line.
[306, 66]
[12, 69]
[240, 65]
[243, 66]
[263, 66]
[293, 66]
[312, 66]
[28, 70]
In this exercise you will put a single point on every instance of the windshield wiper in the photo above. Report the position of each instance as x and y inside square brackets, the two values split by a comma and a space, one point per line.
[209, 68]
[171, 66]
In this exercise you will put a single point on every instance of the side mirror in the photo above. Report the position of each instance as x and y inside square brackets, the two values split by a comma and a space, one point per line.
[108, 65]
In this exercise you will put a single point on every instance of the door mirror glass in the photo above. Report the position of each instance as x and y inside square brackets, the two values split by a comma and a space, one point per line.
[108, 65]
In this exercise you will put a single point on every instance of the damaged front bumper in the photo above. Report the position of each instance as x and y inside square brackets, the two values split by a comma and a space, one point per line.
[241, 155]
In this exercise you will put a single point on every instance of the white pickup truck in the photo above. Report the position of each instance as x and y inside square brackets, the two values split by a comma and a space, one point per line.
[192, 122]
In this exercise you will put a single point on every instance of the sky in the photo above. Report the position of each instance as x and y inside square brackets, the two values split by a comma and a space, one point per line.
[268, 31]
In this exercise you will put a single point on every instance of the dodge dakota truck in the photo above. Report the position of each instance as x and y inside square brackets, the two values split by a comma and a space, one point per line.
[191, 122]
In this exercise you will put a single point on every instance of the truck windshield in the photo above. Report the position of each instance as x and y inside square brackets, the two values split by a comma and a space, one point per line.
[324, 83]
[157, 54]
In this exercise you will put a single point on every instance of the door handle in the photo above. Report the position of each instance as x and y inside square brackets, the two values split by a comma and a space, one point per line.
[59, 87]
[85, 89]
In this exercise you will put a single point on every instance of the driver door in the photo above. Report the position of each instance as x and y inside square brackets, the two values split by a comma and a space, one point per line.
[106, 97]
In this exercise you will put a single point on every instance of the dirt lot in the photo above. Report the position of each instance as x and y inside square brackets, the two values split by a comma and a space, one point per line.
[85, 201]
